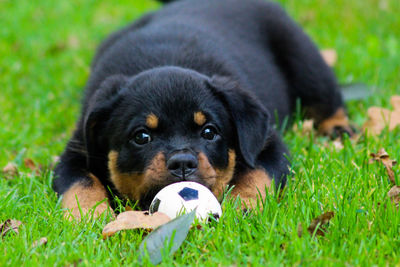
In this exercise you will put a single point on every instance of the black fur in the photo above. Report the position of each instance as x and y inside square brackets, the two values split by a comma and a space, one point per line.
[241, 61]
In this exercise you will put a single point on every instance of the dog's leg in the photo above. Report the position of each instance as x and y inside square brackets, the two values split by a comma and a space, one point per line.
[81, 190]
[309, 78]
[272, 165]
[252, 185]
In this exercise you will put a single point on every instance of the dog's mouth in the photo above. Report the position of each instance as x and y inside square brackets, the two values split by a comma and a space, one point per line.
[146, 200]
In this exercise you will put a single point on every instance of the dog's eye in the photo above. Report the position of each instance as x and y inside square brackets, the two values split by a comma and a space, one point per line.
[209, 133]
[142, 137]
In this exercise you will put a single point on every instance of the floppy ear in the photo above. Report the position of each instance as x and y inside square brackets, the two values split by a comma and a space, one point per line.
[98, 111]
[249, 116]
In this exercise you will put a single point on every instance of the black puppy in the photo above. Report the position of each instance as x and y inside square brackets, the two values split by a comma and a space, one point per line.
[189, 93]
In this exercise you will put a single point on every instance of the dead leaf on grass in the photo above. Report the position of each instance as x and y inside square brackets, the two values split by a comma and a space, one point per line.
[383, 156]
[10, 170]
[133, 220]
[9, 225]
[318, 224]
[337, 144]
[299, 230]
[30, 164]
[394, 195]
[42, 241]
[379, 118]
[329, 56]
[307, 126]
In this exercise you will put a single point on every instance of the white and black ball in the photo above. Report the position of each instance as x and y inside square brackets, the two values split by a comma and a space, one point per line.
[183, 197]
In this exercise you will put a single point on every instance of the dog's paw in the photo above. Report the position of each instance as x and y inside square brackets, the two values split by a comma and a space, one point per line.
[337, 125]
[76, 213]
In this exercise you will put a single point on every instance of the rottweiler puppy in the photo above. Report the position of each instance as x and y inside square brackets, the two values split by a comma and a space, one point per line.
[190, 93]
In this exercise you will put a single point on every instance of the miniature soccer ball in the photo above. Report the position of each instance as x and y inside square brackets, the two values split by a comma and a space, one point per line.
[184, 197]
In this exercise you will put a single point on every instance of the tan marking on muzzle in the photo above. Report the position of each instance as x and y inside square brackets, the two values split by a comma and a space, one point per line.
[134, 185]
[217, 179]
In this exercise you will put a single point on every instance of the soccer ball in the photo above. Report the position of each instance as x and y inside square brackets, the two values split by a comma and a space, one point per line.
[183, 197]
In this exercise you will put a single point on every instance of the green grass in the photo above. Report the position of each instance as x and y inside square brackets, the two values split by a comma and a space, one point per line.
[45, 53]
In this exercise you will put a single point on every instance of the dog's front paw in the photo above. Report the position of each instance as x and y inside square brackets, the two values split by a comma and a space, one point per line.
[77, 213]
[85, 198]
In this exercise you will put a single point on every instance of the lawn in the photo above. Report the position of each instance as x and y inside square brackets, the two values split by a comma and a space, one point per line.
[45, 52]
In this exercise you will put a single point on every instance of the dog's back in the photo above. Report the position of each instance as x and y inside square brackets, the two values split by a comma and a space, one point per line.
[212, 37]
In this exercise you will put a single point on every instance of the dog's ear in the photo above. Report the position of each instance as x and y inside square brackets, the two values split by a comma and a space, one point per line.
[98, 112]
[248, 115]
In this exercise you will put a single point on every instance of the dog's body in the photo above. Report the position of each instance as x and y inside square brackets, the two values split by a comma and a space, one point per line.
[190, 92]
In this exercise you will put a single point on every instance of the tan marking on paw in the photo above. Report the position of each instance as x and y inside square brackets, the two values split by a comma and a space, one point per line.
[252, 185]
[87, 196]
[338, 119]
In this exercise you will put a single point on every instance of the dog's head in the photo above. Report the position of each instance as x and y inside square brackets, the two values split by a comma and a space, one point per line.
[171, 124]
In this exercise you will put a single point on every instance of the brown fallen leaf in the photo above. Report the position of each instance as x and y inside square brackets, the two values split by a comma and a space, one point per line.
[299, 230]
[383, 156]
[337, 143]
[9, 225]
[329, 56]
[128, 208]
[10, 170]
[133, 220]
[379, 118]
[394, 195]
[319, 223]
[42, 241]
[307, 127]
[30, 164]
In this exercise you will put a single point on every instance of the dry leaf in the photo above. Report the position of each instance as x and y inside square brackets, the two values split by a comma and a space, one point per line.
[135, 219]
[42, 241]
[307, 126]
[383, 156]
[299, 230]
[394, 195]
[379, 118]
[319, 222]
[9, 225]
[10, 170]
[329, 56]
[128, 208]
[30, 164]
[338, 144]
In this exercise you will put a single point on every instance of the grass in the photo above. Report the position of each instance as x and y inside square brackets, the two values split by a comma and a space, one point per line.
[46, 50]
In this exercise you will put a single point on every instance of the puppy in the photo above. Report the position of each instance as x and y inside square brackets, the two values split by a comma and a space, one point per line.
[191, 93]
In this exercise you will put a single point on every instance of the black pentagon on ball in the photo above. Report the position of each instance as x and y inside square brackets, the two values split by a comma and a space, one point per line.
[189, 194]
[154, 205]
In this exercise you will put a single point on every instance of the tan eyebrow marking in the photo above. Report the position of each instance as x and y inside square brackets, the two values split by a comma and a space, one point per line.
[152, 121]
[199, 118]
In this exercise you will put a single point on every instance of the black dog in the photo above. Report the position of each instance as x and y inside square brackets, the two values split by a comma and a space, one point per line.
[190, 93]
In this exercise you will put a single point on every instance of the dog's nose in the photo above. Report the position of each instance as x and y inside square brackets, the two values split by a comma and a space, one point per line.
[182, 164]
